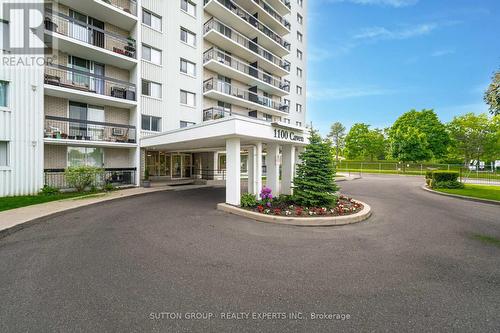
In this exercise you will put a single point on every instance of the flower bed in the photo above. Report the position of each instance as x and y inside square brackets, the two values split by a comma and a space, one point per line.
[285, 206]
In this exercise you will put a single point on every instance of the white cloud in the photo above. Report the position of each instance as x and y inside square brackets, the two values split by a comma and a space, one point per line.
[390, 3]
[381, 33]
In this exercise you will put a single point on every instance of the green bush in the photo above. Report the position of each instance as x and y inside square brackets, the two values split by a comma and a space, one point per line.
[109, 187]
[444, 176]
[82, 177]
[452, 184]
[49, 190]
[428, 174]
[283, 199]
[248, 200]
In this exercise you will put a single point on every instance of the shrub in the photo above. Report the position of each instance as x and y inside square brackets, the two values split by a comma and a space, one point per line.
[428, 174]
[444, 176]
[109, 187]
[283, 199]
[82, 177]
[49, 190]
[248, 200]
[314, 185]
[447, 184]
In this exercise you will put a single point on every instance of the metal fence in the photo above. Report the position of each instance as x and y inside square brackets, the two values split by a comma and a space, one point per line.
[116, 177]
[487, 174]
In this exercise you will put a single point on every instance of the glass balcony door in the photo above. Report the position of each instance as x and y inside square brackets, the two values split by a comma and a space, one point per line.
[78, 27]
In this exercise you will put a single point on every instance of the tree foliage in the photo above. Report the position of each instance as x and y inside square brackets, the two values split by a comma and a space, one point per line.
[475, 136]
[492, 95]
[427, 124]
[409, 145]
[363, 143]
[314, 185]
[337, 135]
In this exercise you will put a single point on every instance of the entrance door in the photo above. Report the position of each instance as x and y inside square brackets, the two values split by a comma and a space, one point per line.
[176, 166]
[186, 166]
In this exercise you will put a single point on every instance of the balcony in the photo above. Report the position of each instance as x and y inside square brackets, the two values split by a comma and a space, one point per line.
[116, 176]
[122, 13]
[283, 7]
[229, 39]
[86, 87]
[76, 37]
[222, 63]
[225, 92]
[268, 14]
[247, 24]
[85, 132]
[215, 113]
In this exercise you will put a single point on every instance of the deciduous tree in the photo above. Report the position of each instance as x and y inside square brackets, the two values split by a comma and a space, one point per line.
[492, 95]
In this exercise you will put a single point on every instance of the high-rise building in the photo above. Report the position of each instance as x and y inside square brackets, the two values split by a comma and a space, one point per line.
[187, 89]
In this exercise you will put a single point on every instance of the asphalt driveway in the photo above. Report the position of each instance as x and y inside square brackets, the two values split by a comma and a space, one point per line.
[135, 264]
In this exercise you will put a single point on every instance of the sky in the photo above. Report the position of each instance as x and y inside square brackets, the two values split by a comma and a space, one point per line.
[372, 60]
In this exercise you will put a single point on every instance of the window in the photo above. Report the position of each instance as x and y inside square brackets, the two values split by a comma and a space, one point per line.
[188, 37]
[78, 156]
[4, 153]
[151, 54]
[186, 123]
[150, 123]
[152, 89]
[151, 20]
[267, 117]
[286, 120]
[300, 2]
[299, 54]
[188, 98]
[298, 123]
[298, 107]
[299, 90]
[299, 36]
[299, 72]
[188, 7]
[4, 94]
[286, 101]
[188, 67]
[300, 19]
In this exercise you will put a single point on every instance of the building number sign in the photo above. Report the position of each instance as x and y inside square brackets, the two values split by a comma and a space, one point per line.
[284, 134]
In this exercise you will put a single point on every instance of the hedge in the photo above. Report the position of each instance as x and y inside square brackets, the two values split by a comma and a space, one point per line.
[444, 176]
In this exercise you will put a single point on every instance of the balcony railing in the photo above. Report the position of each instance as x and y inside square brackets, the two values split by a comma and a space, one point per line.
[128, 6]
[244, 15]
[115, 176]
[86, 130]
[238, 38]
[228, 60]
[66, 77]
[228, 89]
[273, 13]
[215, 113]
[85, 33]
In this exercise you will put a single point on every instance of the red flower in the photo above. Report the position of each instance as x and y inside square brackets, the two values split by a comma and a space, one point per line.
[260, 208]
[277, 211]
[299, 211]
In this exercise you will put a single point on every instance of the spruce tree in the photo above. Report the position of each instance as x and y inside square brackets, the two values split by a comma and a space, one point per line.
[314, 185]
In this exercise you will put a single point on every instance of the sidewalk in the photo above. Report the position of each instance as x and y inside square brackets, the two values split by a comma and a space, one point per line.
[14, 217]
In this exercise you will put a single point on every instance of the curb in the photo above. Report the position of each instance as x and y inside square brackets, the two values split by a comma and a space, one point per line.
[25, 224]
[300, 221]
[425, 188]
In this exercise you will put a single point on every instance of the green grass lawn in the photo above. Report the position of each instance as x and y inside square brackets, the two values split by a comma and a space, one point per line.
[487, 239]
[476, 191]
[7, 203]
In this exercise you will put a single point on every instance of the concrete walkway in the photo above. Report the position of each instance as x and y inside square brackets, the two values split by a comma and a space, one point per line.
[13, 217]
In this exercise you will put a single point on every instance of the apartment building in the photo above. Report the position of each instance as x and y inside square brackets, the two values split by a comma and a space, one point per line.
[187, 89]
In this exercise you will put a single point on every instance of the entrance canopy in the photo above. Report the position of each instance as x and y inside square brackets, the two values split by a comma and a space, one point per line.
[232, 134]
[212, 135]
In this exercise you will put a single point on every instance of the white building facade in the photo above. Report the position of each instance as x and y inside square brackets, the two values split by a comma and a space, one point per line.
[186, 89]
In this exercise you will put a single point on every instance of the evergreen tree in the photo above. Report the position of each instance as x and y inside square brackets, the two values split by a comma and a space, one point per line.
[314, 185]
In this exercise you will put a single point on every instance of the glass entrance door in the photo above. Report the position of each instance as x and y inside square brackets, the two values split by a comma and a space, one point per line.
[176, 166]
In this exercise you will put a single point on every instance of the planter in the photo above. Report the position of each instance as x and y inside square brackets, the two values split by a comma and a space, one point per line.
[146, 183]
